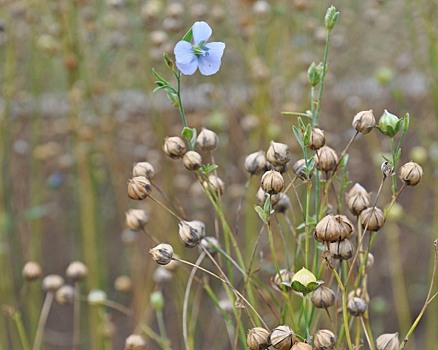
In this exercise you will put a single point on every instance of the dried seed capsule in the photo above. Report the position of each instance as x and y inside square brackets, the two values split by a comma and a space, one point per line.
[358, 199]
[257, 338]
[317, 139]
[326, 159]
[52, 282]
[324, 339]
[136, 219]
[174, 147]
[191, 232]
[135, 342]
[364, 121]
[281, 338]
[32, 271]
[139, 188]
[211, 244]
[207, 140]
[342, 250]
[388, 341]
[301, 346]
[329, 229]
[192, 160]
[323, 297]
[387, 169]
[282, 204]
[278, 154]
[76, 271]
[361, 293]
[261, 197]
[255, 163]
[215, 184]
[372, 219]
[299, 168]
[278, 279]
[272, 182]
[411, 173]
[143, 169]
[347, 226]
[123, 284]
[357, 306]
[162, 253]
[65, 295]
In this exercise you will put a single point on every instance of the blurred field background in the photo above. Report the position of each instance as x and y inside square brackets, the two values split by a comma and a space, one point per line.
[77, 110]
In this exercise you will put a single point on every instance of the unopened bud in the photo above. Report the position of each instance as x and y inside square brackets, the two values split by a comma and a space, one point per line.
[331, 17]
[143, 169]
[272, 182]
[323, 297]
[136, 219]
[135, 342]
[257, 338]
[65, 295]
[357, 306]
[314, 73]
[389, 124]
[372, 219]
[326, 159]
[342, 250]
[281, 338]
[169, 62]
[207, 140]
[388, 341]
[162, 253]
[192, 160]
[52, 282]
[139, 188]
[255, 163]
[157, 300]
[32, 271]
[277, 280]
[364, 121]
[317, 139]
[76, 271]
[411, 173]
[174, 147]
[278, 154]
[324, 339]
[191, 232]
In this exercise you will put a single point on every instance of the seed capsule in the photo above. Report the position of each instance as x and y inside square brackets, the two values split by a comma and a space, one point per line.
[255, 163]
[139, 188]
[356, 204]
[281, 338]
[278, 279]
[52, 282]
[192, 160]
[317, 139]
[282, 204]
[357, 306]
[174, 147]
[135, 342]
[388, 341]
[364, 121]
[162, 253]
[278, 154]
[191, 232]
[372, 219]
[299, 168]
[387, 169]
[32, 271]
[342, 250]
[329, 229]
[76, 271]
[216, 184]
[301, 346]
[324, 339]
[207, 140]
[257, 338]
[143, 169]
[123, 284]
[211, 244]
[326, 159]
[272, 182]
[64, 295]
[136, 219]
[323, 297]
[411, 173]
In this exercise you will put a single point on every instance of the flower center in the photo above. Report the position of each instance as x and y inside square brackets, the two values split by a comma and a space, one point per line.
[201, 49]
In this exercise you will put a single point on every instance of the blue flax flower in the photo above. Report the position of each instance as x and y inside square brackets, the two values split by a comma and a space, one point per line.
[200, 54]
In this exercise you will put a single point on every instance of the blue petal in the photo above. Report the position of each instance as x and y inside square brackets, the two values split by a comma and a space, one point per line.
[188, 68]
[211, 63]
[201, 32]
[183, 52]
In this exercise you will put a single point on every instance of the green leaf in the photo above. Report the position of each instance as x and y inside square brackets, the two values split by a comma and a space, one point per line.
[207, 169]
[188, 36]
[311, 286]
[262, 214]
[298, 287]
[406, 121]
[307, 134]
[267, 206]
[159, 77]
[190, 135]
[298, 136]
[344, 161]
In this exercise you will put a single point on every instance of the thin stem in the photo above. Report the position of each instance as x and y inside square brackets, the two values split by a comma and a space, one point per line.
[16, 316]
[367, 332]
[165, 207]
[76, 316]
[180, 105]
[162, 328]
[43, 319]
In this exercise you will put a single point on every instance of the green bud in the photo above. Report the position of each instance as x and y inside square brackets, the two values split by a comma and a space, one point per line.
[157, 300]
[389, 124]
[331, 17]
[304, 282]
[173, 98]
[314, 74]
[169, 62]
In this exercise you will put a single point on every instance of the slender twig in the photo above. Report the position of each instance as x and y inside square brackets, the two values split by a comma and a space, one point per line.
[76, 315]
[43, 319]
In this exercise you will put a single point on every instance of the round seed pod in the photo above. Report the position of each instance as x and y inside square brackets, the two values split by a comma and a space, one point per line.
[411, 173]
[324, 339]
[52, 282]
[329, 229]
[317, 139]
[326, 159]
[135, 342]
[357, 306]
[162, 253]
[210, 243]
[299, 168]
[32, 271]
[207, 140]
[347, 226]
[143, 169]
[191, 232]
[364, 121]
[123, 284]
[192, 160]
[216, 184]
[174, 147]
[323, 297]
[76, 271]
[282, 204]
[255, 163]
[281, 338]
[357, 199]
[65, 295]
[272, 182]
[301, 346]
[139, 188]
[359, 292]
[96, 297]
[135, 219]
[257, 338]
[278, 154]
[278, 279]
[372, 218]
[388, 341]
[342, 250]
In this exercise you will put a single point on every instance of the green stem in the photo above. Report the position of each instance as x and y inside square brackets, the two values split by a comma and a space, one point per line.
[344, 309]
[21, 332]
[180, 105]
[43, 319]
